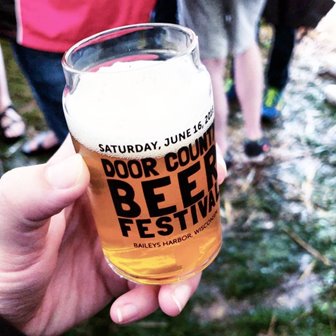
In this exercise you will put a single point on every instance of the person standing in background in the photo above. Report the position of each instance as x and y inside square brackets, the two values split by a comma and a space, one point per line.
[223, 28]
[41, 31]
[286, 17]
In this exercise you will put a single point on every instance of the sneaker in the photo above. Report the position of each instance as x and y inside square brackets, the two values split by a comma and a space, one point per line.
[272, 105]
[330, 94]
[257, 147]
[230, 90]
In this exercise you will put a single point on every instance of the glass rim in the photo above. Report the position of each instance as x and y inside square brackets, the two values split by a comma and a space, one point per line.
[69, 68]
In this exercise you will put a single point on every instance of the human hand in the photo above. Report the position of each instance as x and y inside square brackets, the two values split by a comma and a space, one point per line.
[53, 274]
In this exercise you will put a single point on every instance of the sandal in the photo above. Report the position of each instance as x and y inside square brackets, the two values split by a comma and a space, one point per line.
[38, 144]
[13, 118]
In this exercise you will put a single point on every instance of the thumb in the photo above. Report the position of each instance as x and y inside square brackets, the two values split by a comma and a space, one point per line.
[29, 196]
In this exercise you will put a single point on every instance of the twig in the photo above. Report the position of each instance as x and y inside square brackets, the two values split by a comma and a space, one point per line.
[271, 327]
[311, 250]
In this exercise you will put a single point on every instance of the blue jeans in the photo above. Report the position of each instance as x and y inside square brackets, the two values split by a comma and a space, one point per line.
[44, 73]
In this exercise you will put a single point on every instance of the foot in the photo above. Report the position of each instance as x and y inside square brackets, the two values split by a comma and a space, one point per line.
[12, 126]
[272, 105]
[43, 143]
[257, 148]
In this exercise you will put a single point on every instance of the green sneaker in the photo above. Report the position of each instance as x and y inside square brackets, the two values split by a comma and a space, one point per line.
[230, 90]
[272, 105]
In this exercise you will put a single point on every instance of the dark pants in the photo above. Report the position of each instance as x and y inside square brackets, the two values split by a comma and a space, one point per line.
[44, 73]
[278, 65]
[165, 11]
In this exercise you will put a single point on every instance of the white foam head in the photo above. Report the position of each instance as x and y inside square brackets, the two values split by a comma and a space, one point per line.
[139, 102]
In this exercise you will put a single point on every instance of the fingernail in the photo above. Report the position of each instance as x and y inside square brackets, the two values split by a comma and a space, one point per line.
[127, 313]
[181, 296]
[65, 174]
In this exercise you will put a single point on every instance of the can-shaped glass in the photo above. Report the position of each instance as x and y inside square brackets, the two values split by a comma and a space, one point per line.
[139, 107]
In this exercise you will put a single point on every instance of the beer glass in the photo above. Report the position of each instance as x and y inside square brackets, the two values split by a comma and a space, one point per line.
[139, 107]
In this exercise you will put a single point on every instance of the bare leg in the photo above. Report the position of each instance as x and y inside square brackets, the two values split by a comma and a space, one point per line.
[216, 68]
[249, 86]
[11, 122]
[4, 92]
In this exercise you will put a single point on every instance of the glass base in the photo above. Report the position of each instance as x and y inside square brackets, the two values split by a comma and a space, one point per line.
[166, 280]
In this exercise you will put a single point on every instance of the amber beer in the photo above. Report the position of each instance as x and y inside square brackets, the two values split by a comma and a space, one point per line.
[158, 218]
[153, 188]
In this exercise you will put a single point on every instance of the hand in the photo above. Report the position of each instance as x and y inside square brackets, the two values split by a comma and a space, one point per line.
[52, 271]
